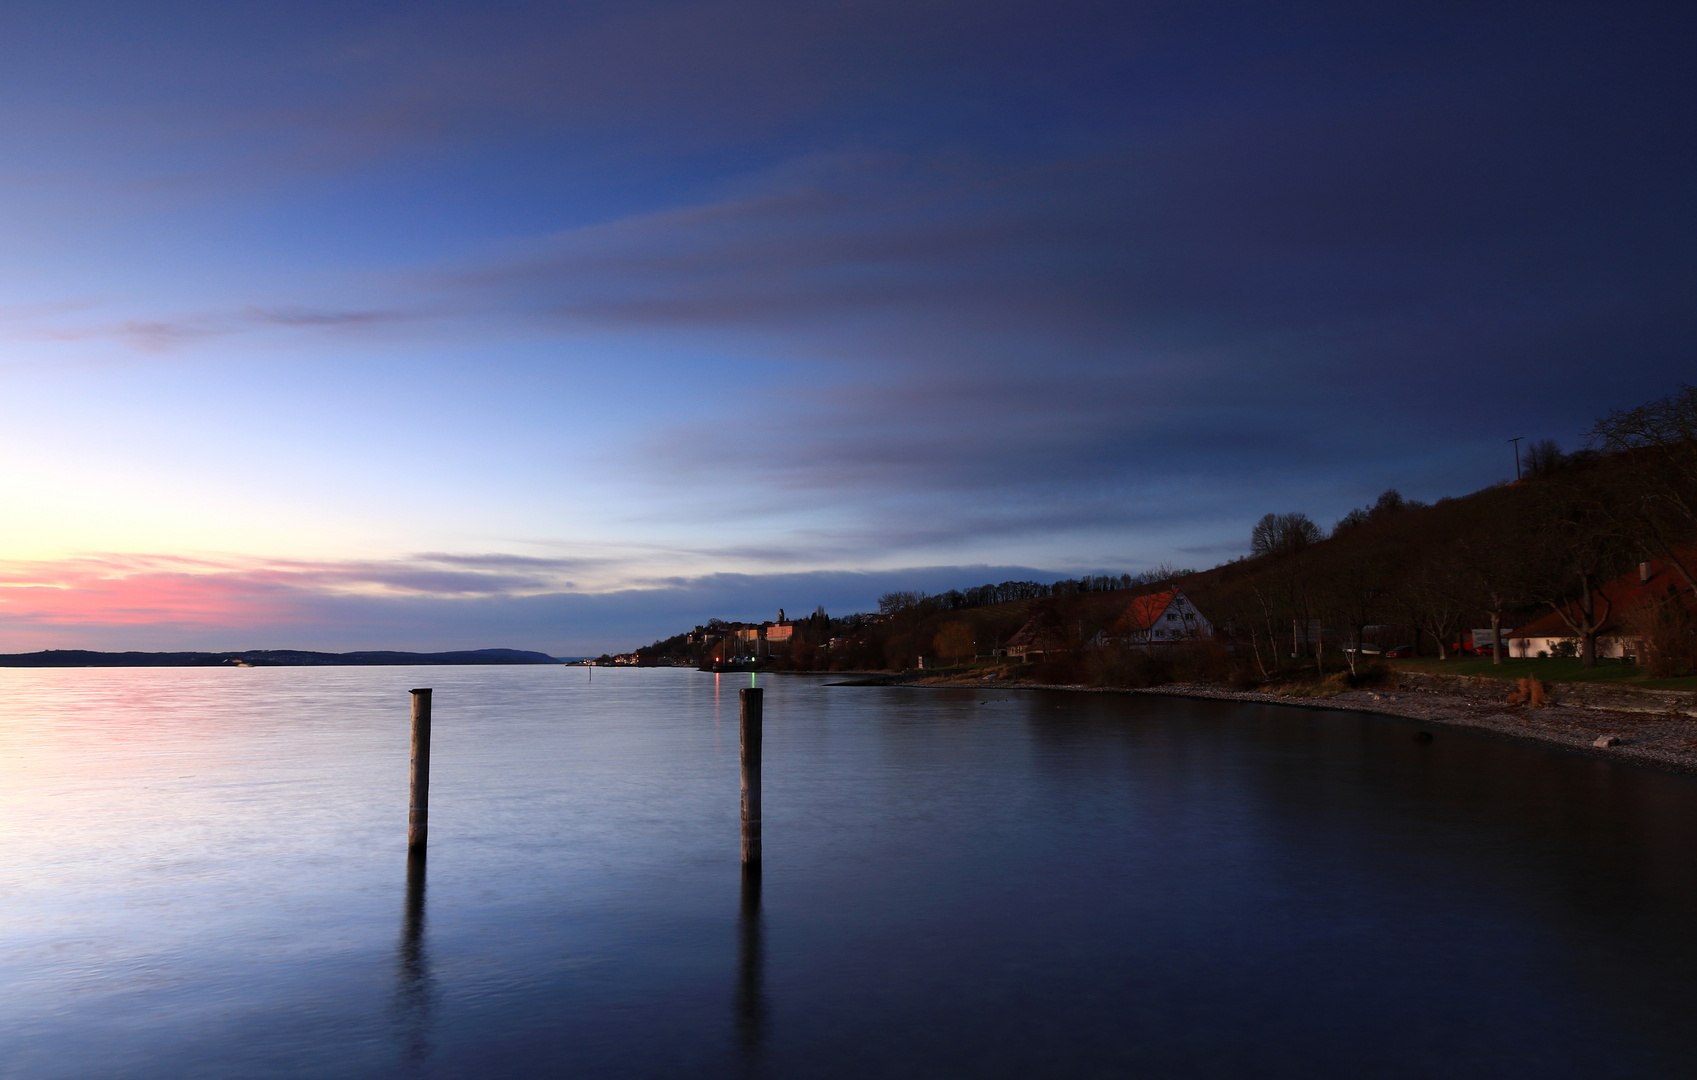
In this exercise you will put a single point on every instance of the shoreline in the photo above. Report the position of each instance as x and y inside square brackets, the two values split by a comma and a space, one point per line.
[1660, 739]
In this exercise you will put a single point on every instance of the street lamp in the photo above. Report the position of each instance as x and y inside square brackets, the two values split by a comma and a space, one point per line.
[1516, 442]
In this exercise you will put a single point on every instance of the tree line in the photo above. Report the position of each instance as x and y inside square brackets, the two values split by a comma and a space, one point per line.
[1010, 591]
[1500, 557]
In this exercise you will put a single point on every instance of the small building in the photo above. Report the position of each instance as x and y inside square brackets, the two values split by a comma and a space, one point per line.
[1166, 616]
[745, 641]
[1551, 635]
[1037, 638]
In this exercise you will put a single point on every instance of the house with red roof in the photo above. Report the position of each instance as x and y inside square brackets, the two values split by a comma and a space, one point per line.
[1616, 601]
[1161, 617]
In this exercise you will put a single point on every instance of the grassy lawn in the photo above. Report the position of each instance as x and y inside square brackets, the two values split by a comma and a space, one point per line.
[1554, 671]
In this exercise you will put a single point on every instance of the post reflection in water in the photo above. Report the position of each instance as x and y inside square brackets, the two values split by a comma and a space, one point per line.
[751, 964]
[414, 988]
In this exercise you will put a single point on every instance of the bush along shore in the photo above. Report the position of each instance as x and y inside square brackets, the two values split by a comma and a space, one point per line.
[1653, 728]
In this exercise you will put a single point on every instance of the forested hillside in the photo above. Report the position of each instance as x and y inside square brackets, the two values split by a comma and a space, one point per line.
[1424, 575]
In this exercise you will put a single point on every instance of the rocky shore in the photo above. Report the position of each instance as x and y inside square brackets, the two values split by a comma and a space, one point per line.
[1656, 729]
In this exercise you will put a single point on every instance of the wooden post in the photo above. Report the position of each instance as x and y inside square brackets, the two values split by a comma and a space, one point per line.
[418, 805]
[751, 717]
[751, 961]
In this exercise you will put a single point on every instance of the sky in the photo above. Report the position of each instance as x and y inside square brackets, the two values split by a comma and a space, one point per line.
[569, 326]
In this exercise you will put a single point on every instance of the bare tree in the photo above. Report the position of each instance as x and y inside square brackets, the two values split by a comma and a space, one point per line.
[1357, 584]
[1660, 440]
[1428, 597]
[1542, 458]
[1283, 534]
[1272, 638]
[1386, 507]
[1157, 575]
[1573, 547]
[1493, 572]
[900, 600]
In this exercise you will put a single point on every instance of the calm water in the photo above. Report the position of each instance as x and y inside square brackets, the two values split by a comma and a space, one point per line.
[202, 873]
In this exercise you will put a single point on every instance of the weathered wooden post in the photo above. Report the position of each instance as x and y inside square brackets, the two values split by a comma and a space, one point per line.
[751, 961]
[418, 806]
[751, 710]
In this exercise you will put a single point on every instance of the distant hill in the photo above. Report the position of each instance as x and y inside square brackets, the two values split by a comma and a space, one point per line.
[269, 658]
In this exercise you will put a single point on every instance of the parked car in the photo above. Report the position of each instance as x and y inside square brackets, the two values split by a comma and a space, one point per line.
[1399, 652]
[1470, 645]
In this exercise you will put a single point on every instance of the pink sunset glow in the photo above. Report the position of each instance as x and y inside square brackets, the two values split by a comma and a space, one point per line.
[61, 602]
[144, 590]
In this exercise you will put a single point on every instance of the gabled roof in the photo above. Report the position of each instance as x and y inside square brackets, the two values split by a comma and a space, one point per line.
[1037, 635]
[1144, 612]
[1623, 594]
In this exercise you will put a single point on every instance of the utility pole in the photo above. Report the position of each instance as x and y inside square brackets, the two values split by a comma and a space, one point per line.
[1516, 442]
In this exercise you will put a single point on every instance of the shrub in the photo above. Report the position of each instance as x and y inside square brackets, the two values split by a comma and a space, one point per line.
[1058, 668]
[1120, 665]
[1366, 675]
[1200, 661]
[1530, 694]
[1190, 661]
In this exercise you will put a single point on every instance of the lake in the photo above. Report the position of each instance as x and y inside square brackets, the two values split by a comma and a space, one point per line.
[203, 874]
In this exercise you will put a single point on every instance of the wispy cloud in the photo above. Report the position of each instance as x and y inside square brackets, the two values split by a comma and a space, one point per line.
[334, 319]
[80, 321]
[122, 602]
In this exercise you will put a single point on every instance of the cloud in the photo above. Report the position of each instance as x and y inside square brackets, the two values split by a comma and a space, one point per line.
[858, 242]
[125, 602]
[1244, 290]
[1000, 274]
[192, 106]
[49, 322]
[156, 335]
[310, 317]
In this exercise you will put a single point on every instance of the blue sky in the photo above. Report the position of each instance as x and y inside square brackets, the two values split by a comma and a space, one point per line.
[567, 326]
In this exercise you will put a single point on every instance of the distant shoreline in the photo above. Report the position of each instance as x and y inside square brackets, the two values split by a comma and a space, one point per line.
[86, 658]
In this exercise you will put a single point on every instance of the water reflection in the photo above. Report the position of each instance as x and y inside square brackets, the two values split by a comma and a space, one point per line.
[415, 990]
[751, 964]
[1043, 885]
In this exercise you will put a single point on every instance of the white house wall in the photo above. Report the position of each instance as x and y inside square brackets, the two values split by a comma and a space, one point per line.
[1612, 648]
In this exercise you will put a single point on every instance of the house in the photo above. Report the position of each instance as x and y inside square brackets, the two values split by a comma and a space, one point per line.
[780, 637]
[766, 639]
[745, 641]
[1615, 602]
[1037, 638]
[1161, 617]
